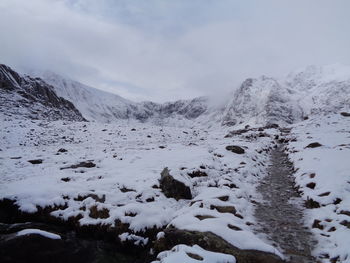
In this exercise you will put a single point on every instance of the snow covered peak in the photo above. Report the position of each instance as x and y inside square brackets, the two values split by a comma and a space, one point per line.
[260, 101]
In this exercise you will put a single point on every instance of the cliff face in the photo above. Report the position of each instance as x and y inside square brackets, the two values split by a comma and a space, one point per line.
[24, 96]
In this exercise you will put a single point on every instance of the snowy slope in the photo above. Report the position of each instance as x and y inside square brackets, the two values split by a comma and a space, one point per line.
[261, 101]
[101, 106]
[321, 89]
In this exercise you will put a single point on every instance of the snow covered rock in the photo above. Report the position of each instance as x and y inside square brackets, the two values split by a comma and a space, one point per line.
[173, 188]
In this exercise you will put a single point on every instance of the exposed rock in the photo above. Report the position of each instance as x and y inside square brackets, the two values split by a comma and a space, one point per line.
[345, 114]
[95, 212]
[316, 224]
[24, 96]
[212, 242]
[87, 164]
[197, 173]
[345, 223]
[310, 203]
[36, 161]
[311, 185]
[235, 149]
[173, 188]
[314, 145]
[62, 150]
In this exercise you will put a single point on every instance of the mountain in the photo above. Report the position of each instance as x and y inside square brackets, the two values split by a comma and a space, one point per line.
[321, 90]
[32, 98]
[98, 105]
[261, 101]
[257, 101]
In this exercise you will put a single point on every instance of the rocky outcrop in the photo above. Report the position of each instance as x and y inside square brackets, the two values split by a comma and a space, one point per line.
[173, 188]
[32, 98]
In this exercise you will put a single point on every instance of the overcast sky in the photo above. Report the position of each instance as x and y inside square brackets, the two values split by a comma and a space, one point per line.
[164, 50]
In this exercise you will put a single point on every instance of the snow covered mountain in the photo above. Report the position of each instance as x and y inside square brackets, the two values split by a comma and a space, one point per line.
[258, 101]
[321, 89]
[32, 98]
[98, 105]
[261, 101]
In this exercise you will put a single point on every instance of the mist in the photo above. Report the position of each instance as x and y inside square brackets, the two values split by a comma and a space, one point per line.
[166, 50]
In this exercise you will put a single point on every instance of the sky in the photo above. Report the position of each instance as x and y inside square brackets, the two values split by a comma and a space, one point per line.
[163, 50]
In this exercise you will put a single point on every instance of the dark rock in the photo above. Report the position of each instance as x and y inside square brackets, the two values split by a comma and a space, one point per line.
[345, 223]
[95, 212]
[62, 150]
[224, 198]
[203, 217]
[235, 149]
[310, 203]
[345, 114]
[344, 212]
[212, 242]
[36, 161]
[87, 164]
[311, 185]
[65, 179]
[197, 173]
[337, 201]
[324, 194]
[93, 196]
[313, 145]
[317, 224]
[173, 188]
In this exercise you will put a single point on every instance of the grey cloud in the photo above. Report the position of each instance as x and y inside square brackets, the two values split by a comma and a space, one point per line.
[166, 50]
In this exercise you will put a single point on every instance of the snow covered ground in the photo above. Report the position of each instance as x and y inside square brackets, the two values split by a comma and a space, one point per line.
[120, 180]
[108, 174]
[323, 175]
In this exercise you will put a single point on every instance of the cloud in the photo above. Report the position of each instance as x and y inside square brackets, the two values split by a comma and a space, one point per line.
[165, 50]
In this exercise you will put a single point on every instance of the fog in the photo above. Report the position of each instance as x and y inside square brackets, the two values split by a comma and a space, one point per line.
[165, 50]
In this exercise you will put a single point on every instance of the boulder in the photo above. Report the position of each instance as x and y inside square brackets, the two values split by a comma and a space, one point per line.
[212, 242]
[36, 161]
[235, 149]
[345, 114]
[173, 188]
[314, 145]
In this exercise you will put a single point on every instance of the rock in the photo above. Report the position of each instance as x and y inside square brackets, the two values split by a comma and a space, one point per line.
[173, 188]
[98, 213]
[345, 223]
[203, 217]
[310, 203]
[197, 173]
[345, 114]
[37, 248]
[317, 224]
[235, 149]
[65, 179]
[311, 185]
[87, 164]
[62, 150]
[36, 161]
[313, 145]
[211, 242]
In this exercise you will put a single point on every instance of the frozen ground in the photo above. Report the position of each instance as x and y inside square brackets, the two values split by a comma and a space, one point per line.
[323, 175]
[107, 174]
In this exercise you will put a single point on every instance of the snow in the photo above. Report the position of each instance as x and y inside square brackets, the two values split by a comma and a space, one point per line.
[125, 179]
[329, 168]
[31, 231]
[182, 253]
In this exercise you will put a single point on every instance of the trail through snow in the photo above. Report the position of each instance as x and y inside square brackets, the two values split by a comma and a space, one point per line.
[280, 214]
